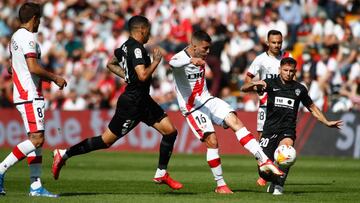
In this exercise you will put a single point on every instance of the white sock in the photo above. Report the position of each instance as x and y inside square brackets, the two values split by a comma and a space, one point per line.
[213, 159]
[63, 154]
[35, 160]
[160, 173]
[18, 153]
[249, 142]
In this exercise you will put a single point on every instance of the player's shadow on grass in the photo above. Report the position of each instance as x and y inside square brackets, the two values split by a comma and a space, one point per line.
[292, 192]
[123, 193]
[309, 183]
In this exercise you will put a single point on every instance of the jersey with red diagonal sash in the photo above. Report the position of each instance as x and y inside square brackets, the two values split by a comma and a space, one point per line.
[190, 82]
[197, 105]
[266, 67]
[27, 86]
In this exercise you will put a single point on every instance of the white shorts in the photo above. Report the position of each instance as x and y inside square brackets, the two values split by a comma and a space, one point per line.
[32, 114]
[261, 117]
[201, 120]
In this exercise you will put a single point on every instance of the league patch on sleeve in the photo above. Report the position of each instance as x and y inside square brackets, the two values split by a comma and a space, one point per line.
[32, 45]
[138, 53]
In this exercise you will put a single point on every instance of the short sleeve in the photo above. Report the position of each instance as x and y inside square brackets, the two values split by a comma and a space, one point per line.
[254, 68]
[305, 98]
[178, 61]
[137, 56]
[28, 46]
[117, 54]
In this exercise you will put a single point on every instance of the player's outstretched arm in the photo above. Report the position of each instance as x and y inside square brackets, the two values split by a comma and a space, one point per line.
[317, 113]
[35, 68]
[114, 66]
[257, 86]
[145, 73]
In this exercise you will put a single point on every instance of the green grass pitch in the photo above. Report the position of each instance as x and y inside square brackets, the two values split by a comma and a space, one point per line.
[126, 177]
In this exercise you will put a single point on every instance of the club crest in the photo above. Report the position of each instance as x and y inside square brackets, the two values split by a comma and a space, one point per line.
[297, 92]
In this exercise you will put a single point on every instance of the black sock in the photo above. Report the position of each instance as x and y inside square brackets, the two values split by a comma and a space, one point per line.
[277, 180]
[281, 179]
[266, 176]
[87, 145]
[166, 148]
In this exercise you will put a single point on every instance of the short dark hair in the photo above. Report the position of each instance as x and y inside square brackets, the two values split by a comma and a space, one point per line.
[289, 61]
[29, 10]
[138, 21]
[201, 36]
[274, 32]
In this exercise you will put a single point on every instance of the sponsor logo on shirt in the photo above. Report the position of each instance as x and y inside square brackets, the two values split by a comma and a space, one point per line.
[284, 102]
[195, 75]
[271, 76]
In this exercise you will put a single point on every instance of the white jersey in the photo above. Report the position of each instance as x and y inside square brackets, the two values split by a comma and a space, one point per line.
[190, 82]
[27, 86]
[266, 66]
[200, 109]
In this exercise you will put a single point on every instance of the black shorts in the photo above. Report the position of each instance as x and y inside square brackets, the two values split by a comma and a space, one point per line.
[129, 113]
[269, 142]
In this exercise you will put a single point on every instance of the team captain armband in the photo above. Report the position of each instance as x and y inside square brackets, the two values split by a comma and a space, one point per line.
[30, 55]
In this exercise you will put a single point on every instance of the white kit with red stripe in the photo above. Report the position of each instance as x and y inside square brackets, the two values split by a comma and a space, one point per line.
[190, 82]
[27, 86]
[196, 104]
[27, 92]
[265, 66]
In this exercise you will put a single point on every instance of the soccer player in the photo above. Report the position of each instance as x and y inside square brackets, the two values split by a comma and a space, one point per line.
[27, 75]
[132, 62]
[284, 97]
[266, 65]
[201, 109]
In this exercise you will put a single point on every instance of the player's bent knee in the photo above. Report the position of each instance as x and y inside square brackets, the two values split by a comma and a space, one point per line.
[108, 138]
[233, 121]
[170, 138]
[37, 139]
[211, 141]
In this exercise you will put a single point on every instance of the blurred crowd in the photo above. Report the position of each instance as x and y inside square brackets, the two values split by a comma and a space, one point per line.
[77, 37]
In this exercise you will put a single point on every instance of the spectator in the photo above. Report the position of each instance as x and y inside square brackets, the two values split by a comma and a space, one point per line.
[314, 90]
[289, 11]
[73, 102]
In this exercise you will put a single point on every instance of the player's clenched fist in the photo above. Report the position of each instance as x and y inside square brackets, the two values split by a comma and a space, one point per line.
[157, 55]
[61, 82]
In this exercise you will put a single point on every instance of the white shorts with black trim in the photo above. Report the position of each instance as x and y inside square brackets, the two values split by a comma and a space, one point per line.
[201, 119]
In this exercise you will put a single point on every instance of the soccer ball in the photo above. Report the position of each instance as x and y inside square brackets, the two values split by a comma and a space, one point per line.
[285, 155]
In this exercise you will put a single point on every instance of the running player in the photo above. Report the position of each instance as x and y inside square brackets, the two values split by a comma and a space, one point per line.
[133, 106]
[201, 109]
[266, 65]
[284, 97]
[27, 75]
